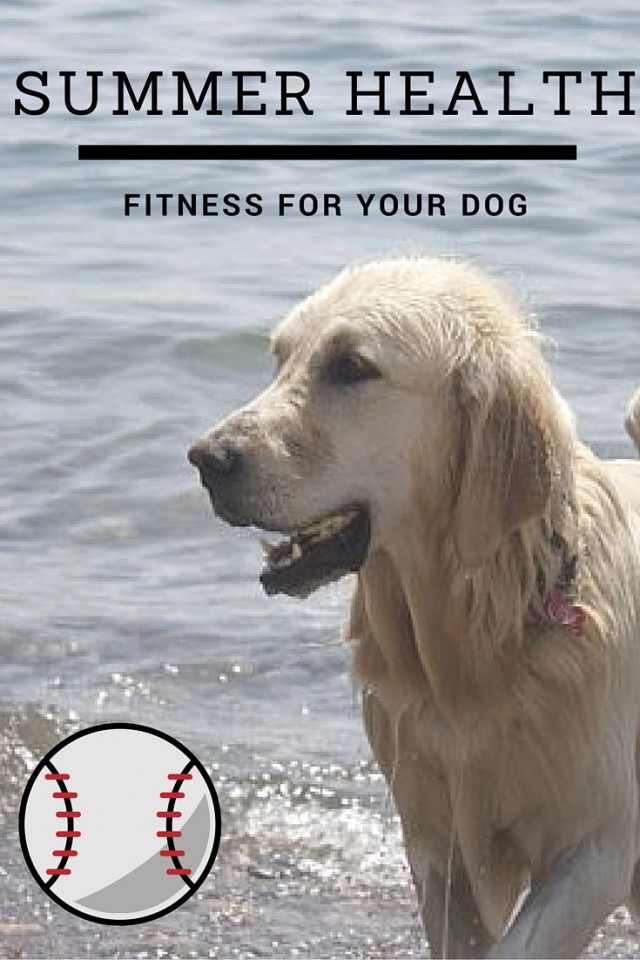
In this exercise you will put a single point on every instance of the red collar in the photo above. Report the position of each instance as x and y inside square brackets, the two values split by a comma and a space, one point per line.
[560, 608]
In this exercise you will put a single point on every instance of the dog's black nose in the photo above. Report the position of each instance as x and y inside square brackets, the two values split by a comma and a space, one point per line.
[217, 458]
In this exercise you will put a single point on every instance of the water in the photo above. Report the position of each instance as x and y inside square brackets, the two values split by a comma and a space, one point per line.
[122, 339]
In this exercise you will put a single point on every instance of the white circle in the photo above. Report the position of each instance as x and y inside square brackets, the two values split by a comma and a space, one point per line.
[120, 823]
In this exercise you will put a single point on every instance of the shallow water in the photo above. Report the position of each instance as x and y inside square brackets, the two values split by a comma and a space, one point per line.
[122, 339]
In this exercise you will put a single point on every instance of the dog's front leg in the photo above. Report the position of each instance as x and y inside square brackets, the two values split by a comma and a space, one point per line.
[450, 917]
[562, 912]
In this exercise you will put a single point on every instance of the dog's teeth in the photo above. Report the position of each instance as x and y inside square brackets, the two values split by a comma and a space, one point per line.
[266, 547]
[296, 551]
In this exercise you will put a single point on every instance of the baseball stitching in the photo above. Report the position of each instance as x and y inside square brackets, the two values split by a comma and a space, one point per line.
[178, 870]
[63, 793]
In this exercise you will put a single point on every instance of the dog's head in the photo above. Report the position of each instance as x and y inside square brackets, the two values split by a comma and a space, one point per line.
[399, 403]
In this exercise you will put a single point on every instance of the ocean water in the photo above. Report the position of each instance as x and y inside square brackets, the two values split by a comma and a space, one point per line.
[122, 339]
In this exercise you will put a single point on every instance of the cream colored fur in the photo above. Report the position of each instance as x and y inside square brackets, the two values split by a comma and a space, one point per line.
[510, 745]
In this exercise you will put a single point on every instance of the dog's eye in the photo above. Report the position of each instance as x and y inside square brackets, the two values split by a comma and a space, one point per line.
[349, 368]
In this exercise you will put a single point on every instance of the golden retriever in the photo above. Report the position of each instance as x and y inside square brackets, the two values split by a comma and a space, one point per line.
[412, 434]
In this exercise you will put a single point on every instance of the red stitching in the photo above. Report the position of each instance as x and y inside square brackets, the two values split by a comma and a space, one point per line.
[171, 851]
[63, 815]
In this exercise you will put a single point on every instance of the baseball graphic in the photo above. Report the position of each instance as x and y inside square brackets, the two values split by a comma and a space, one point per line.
[120, 823]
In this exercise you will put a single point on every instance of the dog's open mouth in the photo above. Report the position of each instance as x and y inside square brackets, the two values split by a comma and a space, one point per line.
[318, 553]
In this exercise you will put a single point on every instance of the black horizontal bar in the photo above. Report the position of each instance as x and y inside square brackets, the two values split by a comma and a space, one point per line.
[310, 151]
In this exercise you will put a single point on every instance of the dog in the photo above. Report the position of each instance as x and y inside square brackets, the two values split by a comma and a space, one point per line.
[412, 436]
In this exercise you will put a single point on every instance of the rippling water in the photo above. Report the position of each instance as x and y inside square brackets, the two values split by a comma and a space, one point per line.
[121, 339]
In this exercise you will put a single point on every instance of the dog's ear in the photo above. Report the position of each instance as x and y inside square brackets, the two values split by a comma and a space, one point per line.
[504, 470]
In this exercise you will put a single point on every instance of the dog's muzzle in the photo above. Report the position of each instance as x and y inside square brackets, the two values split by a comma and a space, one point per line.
[218, 460]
